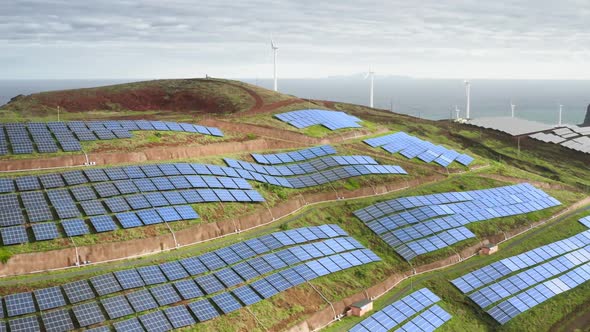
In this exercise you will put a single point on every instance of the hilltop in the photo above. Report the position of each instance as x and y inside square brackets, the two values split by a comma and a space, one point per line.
[197, 96]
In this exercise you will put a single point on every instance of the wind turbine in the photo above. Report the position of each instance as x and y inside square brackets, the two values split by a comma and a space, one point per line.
[274, 62]
[512, 107]
[468, 95]
[372, 75]
[560, 111]
[457, 112]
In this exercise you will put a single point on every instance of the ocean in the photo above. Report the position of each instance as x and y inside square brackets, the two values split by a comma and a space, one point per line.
[427, 98]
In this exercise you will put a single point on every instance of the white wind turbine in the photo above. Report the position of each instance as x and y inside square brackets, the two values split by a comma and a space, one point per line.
[457, 112]
[512, 107]
[468, 96]
[560, 111]
[274, 62]
[372, 75]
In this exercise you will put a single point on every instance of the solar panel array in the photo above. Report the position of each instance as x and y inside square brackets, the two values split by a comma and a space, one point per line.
[332, 120]
[213, 284]
[294, 156]
[515, 284]
[133, 196]
[572, 137]
[413, 147]
[585, 221]
[107, 199]
[313, 173]
[41, 137]
[415, 312]
[421, 224]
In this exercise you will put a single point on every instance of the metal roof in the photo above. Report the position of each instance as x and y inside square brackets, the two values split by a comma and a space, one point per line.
[511, 126]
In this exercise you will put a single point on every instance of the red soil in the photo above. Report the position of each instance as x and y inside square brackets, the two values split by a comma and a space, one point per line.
[140, 99]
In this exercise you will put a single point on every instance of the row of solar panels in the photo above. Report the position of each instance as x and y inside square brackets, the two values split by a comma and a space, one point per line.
[572, 137]
[241, 252]
[75, 227]
[411, 147]
[294, 156]
[420, 305]
[172, 285]
[69, 134]
[38, 209]
[89, 314]
[332, 120]
[516, 283]
[396, 232]
[457, 214]
[532, 297]
[490, 273]
[384, 208]
[304, 167]
[72, 178]
[428, 228]
[585, 221]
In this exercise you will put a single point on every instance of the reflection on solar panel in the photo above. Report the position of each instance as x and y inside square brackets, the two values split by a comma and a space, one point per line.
[332, 120]
[417, 225]
[411, 147]
[69, 134]
[411, 305]
[515, 284]
[294, 156]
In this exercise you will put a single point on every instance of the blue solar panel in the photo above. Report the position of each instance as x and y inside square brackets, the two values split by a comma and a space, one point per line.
[103, 223]
[332, 120]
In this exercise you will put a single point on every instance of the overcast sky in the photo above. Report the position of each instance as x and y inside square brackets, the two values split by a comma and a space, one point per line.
[230, 38]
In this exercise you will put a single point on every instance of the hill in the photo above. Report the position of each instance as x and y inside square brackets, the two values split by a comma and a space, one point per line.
[197, 96]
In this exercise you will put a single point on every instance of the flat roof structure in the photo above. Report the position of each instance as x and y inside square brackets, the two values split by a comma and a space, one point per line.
[510, 125]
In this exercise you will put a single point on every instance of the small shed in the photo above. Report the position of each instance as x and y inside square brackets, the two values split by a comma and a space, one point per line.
[488, 249]
[361, 307]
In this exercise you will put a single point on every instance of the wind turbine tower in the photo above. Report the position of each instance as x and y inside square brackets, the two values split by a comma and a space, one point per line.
[468, 101]
[512, 107]
[457, 112]
[560, 111]
[371, 74]
[274, 62]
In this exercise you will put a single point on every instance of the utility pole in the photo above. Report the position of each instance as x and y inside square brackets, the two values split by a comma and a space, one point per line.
[58, 113]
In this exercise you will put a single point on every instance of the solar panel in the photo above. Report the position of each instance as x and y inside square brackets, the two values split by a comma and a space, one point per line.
[179, 316]
[19, 304]
[129, 278]
[226, 302]
[13, 235]
[128, 220]
[88, 314]
[173, 270]
[105, 284]
[49, 298]
[141, 300]
[116, 306]
[57, 320]
[151, 274]
[165, 294]
[188, 289]
[93, 208]
[246, 295]
[75, 227]
[155, 322]
[203, 310]
[83, 193]
[78, 291]
[193, 266]
[30, 323]
[103, 223]
[209, 283]
[332, 120]
[25, 183]
[128, 325]
[46, 231]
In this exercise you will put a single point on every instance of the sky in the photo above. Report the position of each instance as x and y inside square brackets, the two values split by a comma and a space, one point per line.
[525, 39]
